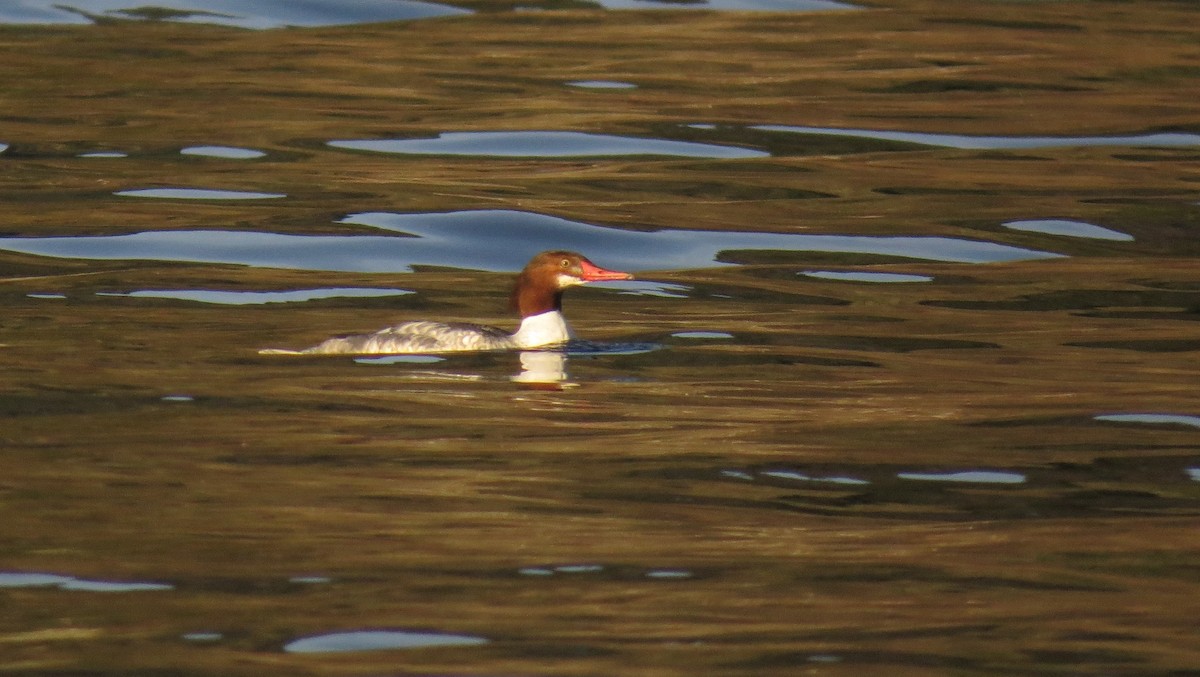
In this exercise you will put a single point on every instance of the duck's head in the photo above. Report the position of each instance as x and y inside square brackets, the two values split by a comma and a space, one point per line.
[540, 285]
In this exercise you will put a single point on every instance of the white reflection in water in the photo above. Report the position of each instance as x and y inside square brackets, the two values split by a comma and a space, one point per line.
[546, 144]
[994, 142]
[257, 14]
[542, 366]
[378, 640]
[197, 194]
[104, 154]
[241, 298]
[979, 476]
[492, 240]
[36, 580]
[1194, 473]
[226, 152]
[863, 276]
[1158, 419]
[1069, 228]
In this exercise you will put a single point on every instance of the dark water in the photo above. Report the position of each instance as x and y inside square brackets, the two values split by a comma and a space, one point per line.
[906, 384]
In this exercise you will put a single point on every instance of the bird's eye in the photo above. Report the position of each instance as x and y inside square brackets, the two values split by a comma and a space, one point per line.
[565, 263]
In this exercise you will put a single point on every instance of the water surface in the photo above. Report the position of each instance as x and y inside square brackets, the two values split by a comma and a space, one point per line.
[848, 420]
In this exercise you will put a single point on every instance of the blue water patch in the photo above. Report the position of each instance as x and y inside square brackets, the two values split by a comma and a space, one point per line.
[38, 580]
[732, 5]
[254, 14]
[646, 288]
[1166, 139]
[864, 276]
[669, 574]
[197, 194]
[177, 398]
[546, 144]
[1152, 419]
[243, 298]
[226, 152]
[310, 580]
[705, 335]
[378, 640]
[1069, 229]
[46, 295]
[972, 476]
[785, 474]
[491, 240]
[400, 359]
[579, 568]
[602, 84]
[201, 637]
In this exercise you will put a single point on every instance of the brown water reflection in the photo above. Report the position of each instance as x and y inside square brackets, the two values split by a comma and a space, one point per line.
[836, 475]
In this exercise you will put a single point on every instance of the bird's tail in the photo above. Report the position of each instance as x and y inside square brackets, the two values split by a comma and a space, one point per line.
[279, 351]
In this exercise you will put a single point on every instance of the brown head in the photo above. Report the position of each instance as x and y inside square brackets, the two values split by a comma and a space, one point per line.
[540, 285]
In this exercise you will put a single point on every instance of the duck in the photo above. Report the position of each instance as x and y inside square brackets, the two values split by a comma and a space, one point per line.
[536, 297]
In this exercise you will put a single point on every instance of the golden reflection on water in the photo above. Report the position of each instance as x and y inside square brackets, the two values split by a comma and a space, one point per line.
[840, 476]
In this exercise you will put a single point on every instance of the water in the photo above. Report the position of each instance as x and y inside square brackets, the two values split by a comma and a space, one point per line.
[872, 406]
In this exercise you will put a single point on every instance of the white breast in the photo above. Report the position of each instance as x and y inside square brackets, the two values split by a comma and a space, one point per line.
[543, 329]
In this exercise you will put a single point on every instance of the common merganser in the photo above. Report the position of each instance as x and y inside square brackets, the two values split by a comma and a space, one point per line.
[536, 296]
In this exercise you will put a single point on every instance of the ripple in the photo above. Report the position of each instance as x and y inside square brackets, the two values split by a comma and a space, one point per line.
[491, 240]
[255, 14]
[242, 298]
[1152, 419]
[197, 194]
[994, 142]
[378, 640]
[732, 5]
[227, 152]
[546, 144]
[1068, 228]
[973, 476]
[862, 276]
[39, 580]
